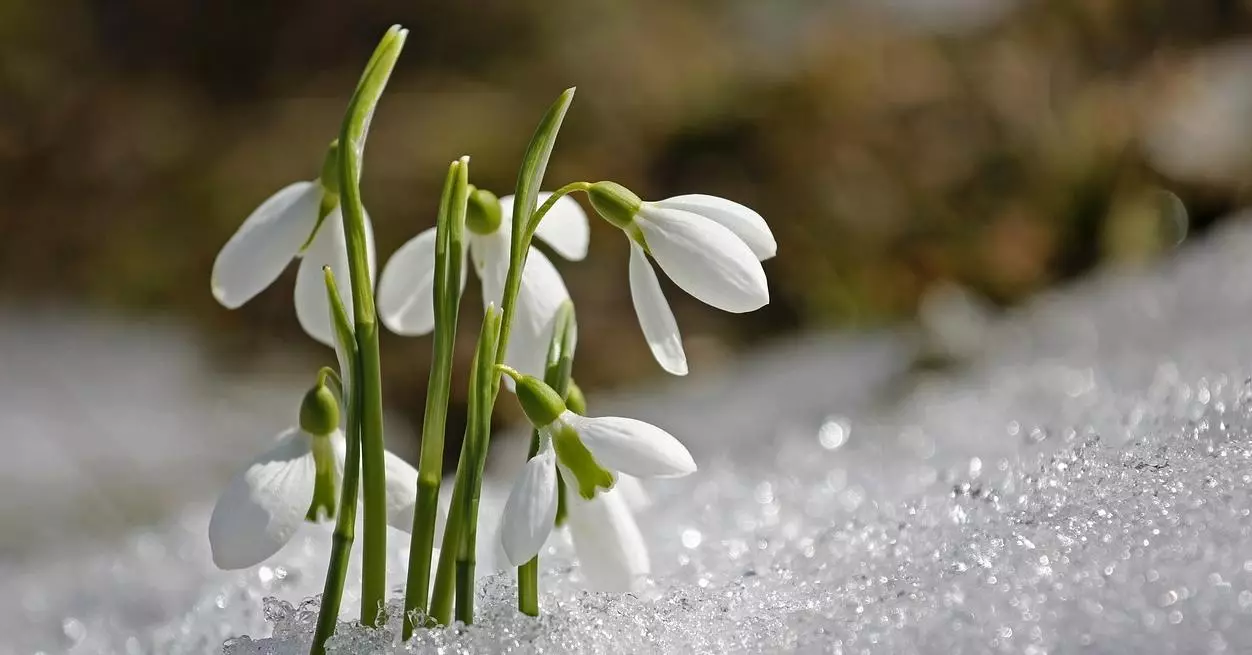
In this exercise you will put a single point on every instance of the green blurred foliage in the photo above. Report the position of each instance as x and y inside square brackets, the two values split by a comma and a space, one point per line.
[987, 142]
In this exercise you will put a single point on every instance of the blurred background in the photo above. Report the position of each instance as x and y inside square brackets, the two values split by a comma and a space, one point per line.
[931, 158]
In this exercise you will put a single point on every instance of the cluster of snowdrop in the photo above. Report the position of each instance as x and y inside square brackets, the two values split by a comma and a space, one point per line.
[581, 469]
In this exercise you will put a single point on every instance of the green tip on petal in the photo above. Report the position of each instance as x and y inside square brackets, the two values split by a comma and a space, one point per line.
[326, 482]
[589, 476]
[615, 203]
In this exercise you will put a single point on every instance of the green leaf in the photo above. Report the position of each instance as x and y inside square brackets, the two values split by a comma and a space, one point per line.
[450, 242]
[535, 163]
[356, 124]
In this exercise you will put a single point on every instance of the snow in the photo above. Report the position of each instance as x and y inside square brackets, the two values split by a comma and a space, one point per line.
[1082, 484]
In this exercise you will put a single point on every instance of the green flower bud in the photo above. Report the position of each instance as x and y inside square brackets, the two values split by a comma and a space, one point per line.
[540, 402]
[575, 400]
[574, 456]
[615, 203]
[482, 214]
[319, 411]
[330, 169]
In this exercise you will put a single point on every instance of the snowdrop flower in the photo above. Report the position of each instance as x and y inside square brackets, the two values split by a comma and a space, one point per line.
[301, 221]
[590, 453]
[296, 480]
[711, 247]
[406, 290]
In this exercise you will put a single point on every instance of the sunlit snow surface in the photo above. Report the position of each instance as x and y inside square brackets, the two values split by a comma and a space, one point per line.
[1081, 487]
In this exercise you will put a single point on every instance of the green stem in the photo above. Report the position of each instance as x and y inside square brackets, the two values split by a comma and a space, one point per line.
[547, 205]
[476, 443]
[560, 364]
[442, 595]
[529, 179]
[345, 522]
[352, 144]
[449, 249]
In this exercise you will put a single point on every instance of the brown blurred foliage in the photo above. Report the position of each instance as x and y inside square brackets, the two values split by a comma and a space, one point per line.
[890, 144]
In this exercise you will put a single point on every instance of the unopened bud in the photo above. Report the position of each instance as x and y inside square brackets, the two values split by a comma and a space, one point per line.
[615, 203]
[575, 400]
[482, 214]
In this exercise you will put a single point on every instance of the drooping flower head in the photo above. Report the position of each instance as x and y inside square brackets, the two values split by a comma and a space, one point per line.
[590, 454]
[303, 220]
[295, 481]
[406, 290]
[711, 247]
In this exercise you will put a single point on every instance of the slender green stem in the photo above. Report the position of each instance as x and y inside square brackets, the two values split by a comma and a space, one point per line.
[345, 522]
[442, 595]
[547, 205]
[525, 198]
[328, 374]
[352, 144]
[560, 364]
[476, 443]
[466, 491]
[449, 253]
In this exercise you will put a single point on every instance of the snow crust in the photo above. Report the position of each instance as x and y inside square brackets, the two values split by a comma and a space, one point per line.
[1082, 485]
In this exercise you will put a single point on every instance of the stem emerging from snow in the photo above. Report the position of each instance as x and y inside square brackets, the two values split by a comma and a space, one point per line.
[345, 521]
[352, 144]
[560, 365]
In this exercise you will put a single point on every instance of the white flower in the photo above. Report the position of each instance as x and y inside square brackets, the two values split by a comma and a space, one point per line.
[610, 549]
[273, 235]
[711, 247]
[264, 505]
[615, 445]
[406, 293]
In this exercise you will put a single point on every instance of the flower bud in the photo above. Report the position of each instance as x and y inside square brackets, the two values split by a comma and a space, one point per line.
[575, 400]
[482, 214]
[319, 411]
[541, 403]
[615, 203]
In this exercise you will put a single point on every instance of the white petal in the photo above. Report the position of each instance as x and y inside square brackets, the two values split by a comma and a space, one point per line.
[611, 552]
[406, 290]
[531, 509]
[564, 227]
[264, 505]
[705, 259]
[540, 296]
[265, 243]
[632, 447]
[490, 549]
[631, 489]
[659, 327]
[490, 256]
[339, 446]
[743, 221]
[328, 249]
[402, 494]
